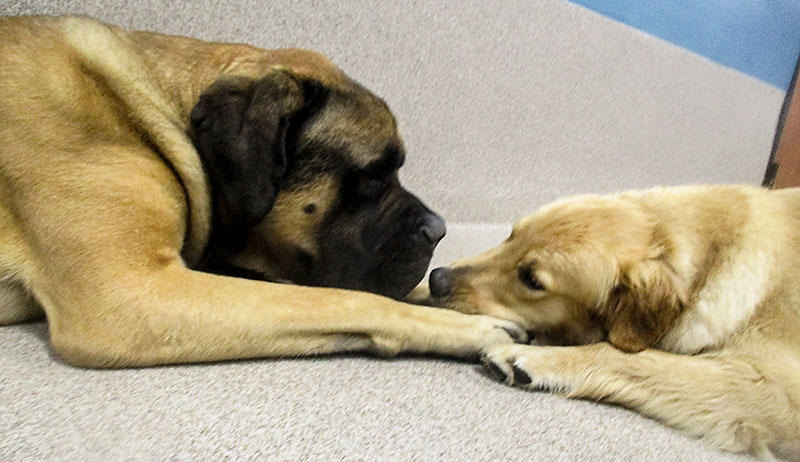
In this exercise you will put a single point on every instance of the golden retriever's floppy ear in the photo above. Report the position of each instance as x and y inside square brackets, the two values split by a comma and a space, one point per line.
[644, 306]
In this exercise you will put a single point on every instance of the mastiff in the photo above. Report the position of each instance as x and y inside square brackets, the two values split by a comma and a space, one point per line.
[168, 200]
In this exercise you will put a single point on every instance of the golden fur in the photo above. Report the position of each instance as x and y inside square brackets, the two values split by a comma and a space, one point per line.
[105, 207]
[682, 303]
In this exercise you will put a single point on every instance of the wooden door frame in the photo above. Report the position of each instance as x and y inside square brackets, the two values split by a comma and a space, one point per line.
[783, 168]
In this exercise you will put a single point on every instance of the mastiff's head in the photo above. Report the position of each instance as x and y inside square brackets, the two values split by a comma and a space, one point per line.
[305, 186]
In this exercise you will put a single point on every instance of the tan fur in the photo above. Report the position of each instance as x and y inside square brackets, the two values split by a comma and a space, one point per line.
[695, 291]
[288, 226]
[104, 203]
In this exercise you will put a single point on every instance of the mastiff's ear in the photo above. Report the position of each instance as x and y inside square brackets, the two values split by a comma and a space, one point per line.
[644, 306]
[240, 127]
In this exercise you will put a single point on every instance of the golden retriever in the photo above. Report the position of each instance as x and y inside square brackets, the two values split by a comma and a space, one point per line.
[680, 303]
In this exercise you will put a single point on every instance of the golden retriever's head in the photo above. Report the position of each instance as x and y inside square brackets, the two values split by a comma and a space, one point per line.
[578, 271]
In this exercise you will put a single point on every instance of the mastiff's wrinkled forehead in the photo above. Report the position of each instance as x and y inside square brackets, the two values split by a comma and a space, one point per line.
[305, 185]
[355, 123]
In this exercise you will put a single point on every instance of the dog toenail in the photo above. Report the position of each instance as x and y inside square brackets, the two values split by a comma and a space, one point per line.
[515, 335]
[521, 377]
[495, 372]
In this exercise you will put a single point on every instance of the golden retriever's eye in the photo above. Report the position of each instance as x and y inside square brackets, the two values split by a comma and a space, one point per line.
[528, 277]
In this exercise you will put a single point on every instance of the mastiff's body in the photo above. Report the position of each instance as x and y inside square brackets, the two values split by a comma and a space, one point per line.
[139, 172]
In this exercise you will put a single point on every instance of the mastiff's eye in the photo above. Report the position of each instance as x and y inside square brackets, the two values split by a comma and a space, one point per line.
[371, 187]
[528, 277]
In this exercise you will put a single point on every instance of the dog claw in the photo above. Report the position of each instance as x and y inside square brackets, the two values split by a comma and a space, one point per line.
[494, 371]
[516, 335]
[520, 377]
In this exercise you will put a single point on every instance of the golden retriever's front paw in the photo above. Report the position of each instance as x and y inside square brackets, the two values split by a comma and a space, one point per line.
[526, 366]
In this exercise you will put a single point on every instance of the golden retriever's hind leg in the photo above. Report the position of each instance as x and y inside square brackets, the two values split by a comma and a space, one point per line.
[726, 402]
[17, 304]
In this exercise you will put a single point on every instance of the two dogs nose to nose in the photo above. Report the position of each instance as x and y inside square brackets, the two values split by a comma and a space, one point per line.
[433, 228]
[441, 282]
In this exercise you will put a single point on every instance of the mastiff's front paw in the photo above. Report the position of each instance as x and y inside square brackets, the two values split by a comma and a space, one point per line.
[496, 332]
[480, 334]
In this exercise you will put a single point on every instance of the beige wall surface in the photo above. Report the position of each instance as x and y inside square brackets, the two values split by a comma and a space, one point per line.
[505, 105]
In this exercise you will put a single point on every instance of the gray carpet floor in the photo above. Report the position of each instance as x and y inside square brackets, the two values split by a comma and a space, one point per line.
[349, 408]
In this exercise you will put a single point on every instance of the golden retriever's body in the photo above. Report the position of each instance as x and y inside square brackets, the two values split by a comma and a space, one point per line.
[685, 304]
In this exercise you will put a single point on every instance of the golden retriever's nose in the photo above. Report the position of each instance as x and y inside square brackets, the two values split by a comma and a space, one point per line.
[441, 282]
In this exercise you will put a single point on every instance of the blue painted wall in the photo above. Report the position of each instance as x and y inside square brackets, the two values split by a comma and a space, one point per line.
[758, 37]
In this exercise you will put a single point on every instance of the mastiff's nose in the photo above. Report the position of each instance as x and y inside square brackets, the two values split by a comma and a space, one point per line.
[433, 228]
[441, 282]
